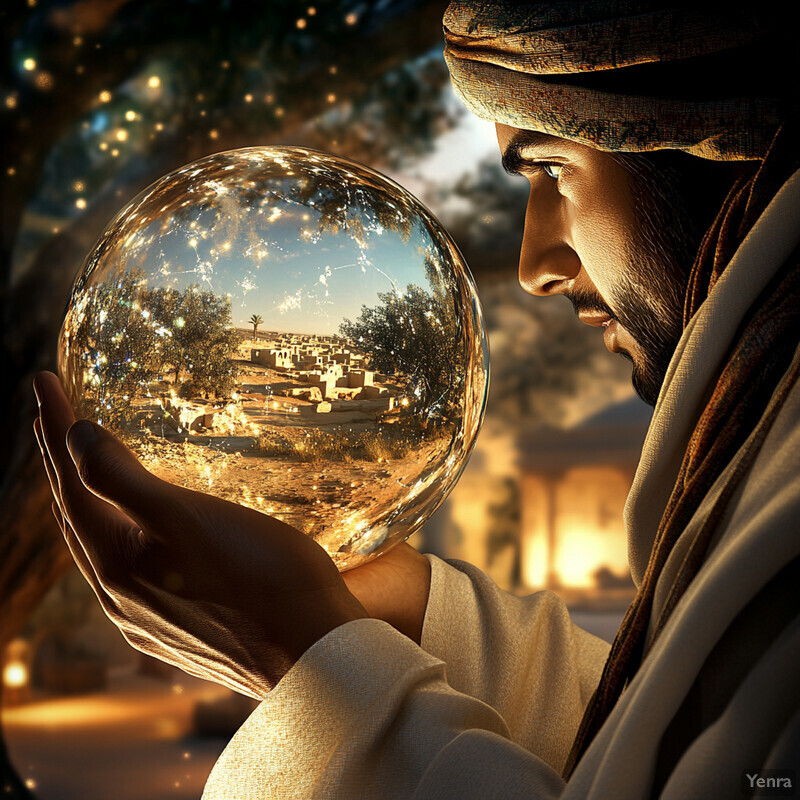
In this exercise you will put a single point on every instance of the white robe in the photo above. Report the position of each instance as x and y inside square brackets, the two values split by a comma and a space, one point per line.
[488, 705]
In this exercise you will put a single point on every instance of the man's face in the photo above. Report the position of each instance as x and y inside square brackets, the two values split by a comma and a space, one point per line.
[585, 239]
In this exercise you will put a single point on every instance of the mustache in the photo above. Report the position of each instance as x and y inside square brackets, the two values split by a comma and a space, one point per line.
[584, 301]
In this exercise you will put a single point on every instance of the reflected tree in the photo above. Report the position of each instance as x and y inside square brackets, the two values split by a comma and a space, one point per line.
[414, 335]
[123, 337]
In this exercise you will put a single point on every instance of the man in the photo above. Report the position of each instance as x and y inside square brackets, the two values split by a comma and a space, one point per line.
[505, 698]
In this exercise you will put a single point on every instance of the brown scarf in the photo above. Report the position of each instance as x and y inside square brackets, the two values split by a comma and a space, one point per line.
[750, 390]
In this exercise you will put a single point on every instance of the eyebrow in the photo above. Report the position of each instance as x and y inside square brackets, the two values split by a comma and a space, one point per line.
[512, 159]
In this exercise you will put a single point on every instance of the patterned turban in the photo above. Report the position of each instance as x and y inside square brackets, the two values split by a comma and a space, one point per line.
[711, 78]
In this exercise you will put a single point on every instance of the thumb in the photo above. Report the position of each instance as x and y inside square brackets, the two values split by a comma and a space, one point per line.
[112, 472]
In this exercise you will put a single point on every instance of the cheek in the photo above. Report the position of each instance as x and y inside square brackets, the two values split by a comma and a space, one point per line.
[603, 251]
[603, 234]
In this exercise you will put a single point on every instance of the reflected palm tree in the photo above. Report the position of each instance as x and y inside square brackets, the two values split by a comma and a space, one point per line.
[255, 320]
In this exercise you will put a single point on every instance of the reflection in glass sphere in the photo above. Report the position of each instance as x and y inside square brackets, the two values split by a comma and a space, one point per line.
[288, 330]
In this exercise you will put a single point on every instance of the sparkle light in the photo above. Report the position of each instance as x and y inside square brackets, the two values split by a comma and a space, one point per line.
[104, 96]
[80, 203]
[130, 115]
[301, 23]
[351, 19]
[121, 135]
[154, 82]
[11, 101]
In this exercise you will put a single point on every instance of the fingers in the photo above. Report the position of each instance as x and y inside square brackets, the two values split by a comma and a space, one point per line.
[56, 418]
[86, 519]
[113, 473]
[77, 552]
[48, 464]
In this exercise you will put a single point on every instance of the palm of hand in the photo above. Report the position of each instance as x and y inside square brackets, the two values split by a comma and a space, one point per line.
[219, 590]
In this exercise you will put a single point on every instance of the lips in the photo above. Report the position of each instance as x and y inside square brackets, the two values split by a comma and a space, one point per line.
[601, 320]
[596, 320]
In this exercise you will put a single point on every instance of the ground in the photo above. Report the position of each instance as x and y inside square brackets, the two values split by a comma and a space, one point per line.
[354, 472]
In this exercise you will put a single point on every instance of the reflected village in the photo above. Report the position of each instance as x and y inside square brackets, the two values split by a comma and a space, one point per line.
[299, 426]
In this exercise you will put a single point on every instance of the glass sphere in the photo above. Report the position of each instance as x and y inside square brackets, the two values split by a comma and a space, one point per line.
[288, 330]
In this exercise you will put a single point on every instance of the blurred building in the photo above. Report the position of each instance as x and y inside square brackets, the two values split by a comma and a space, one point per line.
[573, 488]
[544, 509]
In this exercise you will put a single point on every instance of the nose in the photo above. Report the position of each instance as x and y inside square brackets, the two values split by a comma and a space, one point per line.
[547, 263]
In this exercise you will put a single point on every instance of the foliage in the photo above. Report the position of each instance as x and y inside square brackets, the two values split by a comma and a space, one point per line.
[206, 341]
[415, 336]
[124, 336]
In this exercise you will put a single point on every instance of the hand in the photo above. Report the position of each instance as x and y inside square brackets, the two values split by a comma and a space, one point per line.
[221, 591]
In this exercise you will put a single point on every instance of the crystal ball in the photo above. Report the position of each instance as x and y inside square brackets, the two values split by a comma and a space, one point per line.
[288, 330]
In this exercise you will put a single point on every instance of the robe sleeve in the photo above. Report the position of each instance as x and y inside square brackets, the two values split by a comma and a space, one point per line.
[487, 707]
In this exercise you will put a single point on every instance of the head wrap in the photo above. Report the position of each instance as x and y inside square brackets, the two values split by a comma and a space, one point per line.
[626, 76]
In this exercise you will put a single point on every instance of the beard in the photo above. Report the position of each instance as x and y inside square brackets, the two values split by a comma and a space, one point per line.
[649, 302]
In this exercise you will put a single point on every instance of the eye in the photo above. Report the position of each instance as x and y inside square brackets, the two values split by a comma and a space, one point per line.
[551, 170]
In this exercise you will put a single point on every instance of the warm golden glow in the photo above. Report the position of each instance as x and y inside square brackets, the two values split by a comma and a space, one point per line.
[29, 64]
[154, 82]
[572, 526]
[44, 81]
[579, 553]
[105, 96]
[15, 675]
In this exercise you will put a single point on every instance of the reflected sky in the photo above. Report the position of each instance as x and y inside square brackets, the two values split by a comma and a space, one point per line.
[291, 235]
